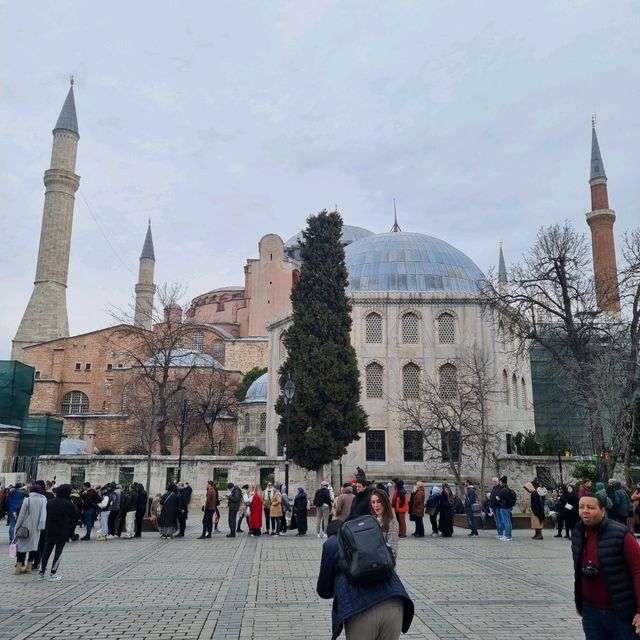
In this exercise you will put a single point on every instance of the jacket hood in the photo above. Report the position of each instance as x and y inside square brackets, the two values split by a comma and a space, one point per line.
[528, 486]
[617, 485]
[64, 492]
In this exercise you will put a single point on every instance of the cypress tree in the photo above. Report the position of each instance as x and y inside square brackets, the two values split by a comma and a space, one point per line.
[325, 412]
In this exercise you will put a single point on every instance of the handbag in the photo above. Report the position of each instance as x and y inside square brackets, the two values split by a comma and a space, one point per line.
[475, 507]
[13, 551]
[23, 532]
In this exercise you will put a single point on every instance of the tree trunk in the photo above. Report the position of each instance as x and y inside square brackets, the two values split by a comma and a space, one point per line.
[148, 487]
[627, 453]
[162, 438]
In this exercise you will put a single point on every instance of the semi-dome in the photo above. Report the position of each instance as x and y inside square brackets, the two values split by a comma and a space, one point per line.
[349, 235]
[404, 261]
[257, 391]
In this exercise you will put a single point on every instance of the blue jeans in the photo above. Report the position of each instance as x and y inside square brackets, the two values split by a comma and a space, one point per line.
[471, 521]
[602, 624]
[12, 526]
[506, 522]
[497, 516]
[89, 516]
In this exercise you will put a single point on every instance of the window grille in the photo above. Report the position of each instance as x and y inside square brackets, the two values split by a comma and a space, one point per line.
[411, 380]
[197, 341]
[413, 448]
[125, 476]
[373, 330]
[505, 388]
[247, 423]
[77, 477]
[75, 402]
[107, 388]
[451, 446]
[217, 350]
[374, 380]
[448, 381]
[263, 423]
[514, 390]
[523, 394]
[446, 329]
[410, 328]
[375, 446]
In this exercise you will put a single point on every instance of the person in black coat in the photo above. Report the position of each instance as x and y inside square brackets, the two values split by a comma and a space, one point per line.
[361, 505]
[300, 512]
[62, 518]
[141, 508]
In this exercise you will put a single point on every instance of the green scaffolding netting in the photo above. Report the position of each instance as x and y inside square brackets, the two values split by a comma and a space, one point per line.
[16, 388]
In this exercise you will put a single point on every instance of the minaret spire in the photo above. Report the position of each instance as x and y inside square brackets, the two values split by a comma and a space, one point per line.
[396, 227]
[600, 219]
[45, 317]
[145, 288]
[503, 281]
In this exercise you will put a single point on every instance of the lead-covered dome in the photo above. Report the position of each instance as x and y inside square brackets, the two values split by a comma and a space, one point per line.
[257, 391]
[409, 262]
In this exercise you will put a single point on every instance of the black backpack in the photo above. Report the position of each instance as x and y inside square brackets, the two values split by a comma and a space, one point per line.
[511, 498]
[365, 556]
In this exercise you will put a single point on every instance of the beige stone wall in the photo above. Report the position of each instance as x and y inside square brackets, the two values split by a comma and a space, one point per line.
[244, 355]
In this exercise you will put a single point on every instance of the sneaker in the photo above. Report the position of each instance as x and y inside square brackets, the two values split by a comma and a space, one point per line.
[110, 537]
[324, 535]
[508, 539]
[54, 577]
[282, 533]
[434, 535]
[319, 535]
[40, 576]
[502, 538]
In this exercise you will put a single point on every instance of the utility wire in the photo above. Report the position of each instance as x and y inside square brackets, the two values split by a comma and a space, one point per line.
[104, 235]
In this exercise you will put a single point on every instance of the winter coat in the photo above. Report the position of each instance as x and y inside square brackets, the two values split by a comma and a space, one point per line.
[400, 501]
[62, 516]
[350, 600]
[322, 497]
[361, 505]
[417, 506]
[275, 510]
[267, 496]
[212, 499]
[234, 499]
[342, 505]
[255, 512]
[142, 499]
[622, 501]
[33, 515]
[537, 510]
[14, 500]
[171, 507]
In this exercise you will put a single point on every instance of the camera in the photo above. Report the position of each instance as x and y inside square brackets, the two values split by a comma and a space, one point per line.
[589, 571]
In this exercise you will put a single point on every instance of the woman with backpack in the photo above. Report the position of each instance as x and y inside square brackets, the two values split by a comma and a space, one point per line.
[445, 507]
[400, 504]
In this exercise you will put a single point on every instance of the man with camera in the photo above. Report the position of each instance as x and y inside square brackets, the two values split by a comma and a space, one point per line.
[606, 559]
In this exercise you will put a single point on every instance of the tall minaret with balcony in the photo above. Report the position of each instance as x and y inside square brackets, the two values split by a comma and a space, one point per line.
[145, 289]
[600, 219]
[45, 317]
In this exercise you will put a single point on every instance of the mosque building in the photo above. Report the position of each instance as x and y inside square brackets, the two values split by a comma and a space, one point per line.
[417, 311]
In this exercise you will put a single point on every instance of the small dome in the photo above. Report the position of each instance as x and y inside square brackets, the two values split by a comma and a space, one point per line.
[409, 262]
[257, 392]
[349, 234]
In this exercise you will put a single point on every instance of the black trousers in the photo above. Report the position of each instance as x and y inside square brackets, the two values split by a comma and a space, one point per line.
[207, 522]
[139, 519]
[58, 546]
[419, 527]
[22, 556]
[42, 543]
[267, 519]
[233, 516]
[113, 515]
[182, 521]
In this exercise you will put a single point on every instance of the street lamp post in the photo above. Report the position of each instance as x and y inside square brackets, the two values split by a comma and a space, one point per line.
[183, 422]
[559, 445]
[289, 391]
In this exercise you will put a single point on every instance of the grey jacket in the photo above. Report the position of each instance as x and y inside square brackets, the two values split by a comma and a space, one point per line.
[33, 515]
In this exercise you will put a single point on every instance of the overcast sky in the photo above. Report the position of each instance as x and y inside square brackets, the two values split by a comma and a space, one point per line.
[226, 121]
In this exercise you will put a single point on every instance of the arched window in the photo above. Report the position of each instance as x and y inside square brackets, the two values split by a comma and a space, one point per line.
[263, 423]
[505, 387]
[410, 326]
[373, 375]
[523, 394]
[514, 390]
[448, 381]
[446, 329]
[75, 402]
[197, 341]
[373, 328]
[247, 423]
[410, 381]
[126, 396]
[217, 350]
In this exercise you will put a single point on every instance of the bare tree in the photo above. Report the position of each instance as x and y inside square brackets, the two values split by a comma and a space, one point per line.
[551, 301]
[452, 412]
[160, 357]
[211, 393]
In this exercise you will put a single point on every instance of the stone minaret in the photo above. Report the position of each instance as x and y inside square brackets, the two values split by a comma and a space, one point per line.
[600, 219]
[45, 317]
[145, 289]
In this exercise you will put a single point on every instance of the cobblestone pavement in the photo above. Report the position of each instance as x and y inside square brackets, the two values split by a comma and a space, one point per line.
[264, 588]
